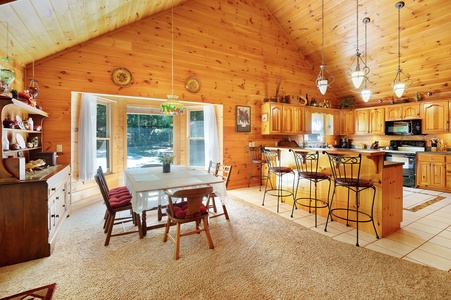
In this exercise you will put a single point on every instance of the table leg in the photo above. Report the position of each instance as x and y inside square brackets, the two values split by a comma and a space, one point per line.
[144, 223]
[160, 214]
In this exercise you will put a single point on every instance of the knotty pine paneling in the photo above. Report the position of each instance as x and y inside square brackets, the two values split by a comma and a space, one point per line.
[237, 57]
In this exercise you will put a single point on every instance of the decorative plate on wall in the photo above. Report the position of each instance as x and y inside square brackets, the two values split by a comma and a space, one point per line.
[122, 77]
[192, 84]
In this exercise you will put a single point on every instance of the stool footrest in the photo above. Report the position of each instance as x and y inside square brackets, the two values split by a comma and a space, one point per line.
[318, 202]
[361, 213]
[279, 193]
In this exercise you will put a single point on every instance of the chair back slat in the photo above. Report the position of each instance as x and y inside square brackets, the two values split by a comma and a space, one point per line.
[306, 162]
[272, 157]
[103, 191]
[224, 172]
[194, 197]
[255, 153]
[213, 168]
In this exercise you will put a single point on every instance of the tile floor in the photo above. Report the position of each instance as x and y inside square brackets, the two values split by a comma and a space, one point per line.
[424, 237]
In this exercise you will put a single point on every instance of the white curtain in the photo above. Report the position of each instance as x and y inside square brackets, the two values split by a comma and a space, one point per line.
[211, 135]
[87, 124]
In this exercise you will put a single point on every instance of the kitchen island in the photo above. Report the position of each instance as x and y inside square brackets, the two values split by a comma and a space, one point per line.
[387, 177]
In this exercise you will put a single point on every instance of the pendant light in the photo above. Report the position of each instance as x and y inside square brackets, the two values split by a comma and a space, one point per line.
[33, 88]
[172, 106]
[399, 86]
[366, 92]
[321, 82]
[6, 71]
[355, 74]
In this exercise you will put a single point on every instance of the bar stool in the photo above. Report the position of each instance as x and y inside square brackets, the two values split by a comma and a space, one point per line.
[346, 173]
[256, 159]
[274, 168]
[307, 168]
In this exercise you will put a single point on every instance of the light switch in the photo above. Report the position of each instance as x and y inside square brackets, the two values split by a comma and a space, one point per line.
[59, 148]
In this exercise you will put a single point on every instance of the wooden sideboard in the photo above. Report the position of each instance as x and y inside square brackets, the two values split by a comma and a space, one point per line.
[31, 212]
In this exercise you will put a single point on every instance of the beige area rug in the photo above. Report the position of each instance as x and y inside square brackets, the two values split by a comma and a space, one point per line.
[257, 255]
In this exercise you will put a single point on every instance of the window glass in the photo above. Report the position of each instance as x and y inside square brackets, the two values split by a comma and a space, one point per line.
[103, 130]
[148, 137]
[196, 138]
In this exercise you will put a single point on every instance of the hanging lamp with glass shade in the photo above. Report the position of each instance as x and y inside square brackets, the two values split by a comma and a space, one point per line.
[355, 73]
[33, 88]
[7, 75]
[172, 106]
[399, 86]
[321, 82]
[366, 92]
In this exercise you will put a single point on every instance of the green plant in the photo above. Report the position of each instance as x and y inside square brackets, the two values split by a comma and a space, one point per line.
[346, 102]
[167, 158]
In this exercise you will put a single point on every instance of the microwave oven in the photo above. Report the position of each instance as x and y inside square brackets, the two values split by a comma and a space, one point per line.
[410, 127]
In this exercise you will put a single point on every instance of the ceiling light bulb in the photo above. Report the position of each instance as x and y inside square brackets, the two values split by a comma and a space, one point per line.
[322, 86]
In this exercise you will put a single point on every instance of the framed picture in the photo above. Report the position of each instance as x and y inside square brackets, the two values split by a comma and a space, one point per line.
[243, 118]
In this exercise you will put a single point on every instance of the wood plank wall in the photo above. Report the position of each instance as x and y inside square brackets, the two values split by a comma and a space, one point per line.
[235, 48]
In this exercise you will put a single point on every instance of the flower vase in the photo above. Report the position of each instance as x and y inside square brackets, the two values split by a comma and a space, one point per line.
[166, 168]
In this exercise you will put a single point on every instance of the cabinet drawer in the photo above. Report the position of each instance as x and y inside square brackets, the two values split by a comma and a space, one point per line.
[56, 181]
[431, 158]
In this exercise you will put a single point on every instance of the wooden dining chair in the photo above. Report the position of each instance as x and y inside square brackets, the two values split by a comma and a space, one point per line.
[212, 170]
[115, 204]
[189, 210]
[223, 172]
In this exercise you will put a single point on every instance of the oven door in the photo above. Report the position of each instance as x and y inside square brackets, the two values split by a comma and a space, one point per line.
[407, 159]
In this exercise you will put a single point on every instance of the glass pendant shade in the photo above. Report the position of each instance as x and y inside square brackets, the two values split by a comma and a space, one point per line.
[322, 86]
[6, 72]
[357, 78]
[398, 88]
[172, 106]
[366, 94]
[33, 88]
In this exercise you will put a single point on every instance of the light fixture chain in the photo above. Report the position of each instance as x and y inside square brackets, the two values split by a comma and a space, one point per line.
[322, 25]
[172, 45]
[357, 26]
[399, 38]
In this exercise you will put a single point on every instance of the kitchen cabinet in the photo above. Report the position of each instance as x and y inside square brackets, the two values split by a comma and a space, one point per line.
[435, 117]
[448, 172]
[347, 121]
[281, 118]
[431, 171]
[31, 213]
[370, 121]
[402, 112]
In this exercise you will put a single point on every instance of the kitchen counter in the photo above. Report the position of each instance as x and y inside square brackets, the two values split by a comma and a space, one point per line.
[387, 177]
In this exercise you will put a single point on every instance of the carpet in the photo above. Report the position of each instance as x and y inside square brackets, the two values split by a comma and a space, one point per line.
[257, 255]
[43, 293]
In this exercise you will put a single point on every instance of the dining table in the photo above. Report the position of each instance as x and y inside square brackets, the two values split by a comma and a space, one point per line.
[147, 185]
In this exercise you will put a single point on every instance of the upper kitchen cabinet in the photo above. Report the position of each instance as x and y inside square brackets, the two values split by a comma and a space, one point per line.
[281, 118]
[407, 111]
[347, 122]
[435, 117]
[370, 121]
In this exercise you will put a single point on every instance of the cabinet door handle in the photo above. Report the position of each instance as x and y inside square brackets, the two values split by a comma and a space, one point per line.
[53, 189]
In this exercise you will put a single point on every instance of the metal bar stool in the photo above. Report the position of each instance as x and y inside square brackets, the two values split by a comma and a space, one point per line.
[274, 168]
[256, 159]
[346, 173]
[307, 168]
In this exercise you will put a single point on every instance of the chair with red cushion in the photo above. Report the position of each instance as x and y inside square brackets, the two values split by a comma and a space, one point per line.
[115, 204]
[190, 210]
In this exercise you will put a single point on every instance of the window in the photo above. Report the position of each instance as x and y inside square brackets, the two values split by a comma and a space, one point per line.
[149, 135]
[196, 138]
[103, 136]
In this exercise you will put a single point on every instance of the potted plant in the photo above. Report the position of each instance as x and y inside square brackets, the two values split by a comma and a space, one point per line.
[167, 159]
[346, 102]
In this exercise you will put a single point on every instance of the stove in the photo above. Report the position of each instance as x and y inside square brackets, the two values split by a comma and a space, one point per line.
[405, 151]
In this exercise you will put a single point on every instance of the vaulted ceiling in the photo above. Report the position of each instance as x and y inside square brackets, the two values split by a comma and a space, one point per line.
[39, 28]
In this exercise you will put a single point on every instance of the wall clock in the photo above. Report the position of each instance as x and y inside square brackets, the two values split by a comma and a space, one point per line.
[192, 84]
[122, 77]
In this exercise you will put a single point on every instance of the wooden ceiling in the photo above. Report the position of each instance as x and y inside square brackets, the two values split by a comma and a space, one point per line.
[39, 28]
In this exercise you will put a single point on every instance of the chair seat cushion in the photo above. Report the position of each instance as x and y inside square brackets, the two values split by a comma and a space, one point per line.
[280, 169]
[181, 208]
[119, 190]
[354, 182]
[121, 201]
[313, 175]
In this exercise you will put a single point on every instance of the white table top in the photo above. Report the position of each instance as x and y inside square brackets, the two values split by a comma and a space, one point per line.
[146, 184]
